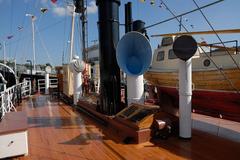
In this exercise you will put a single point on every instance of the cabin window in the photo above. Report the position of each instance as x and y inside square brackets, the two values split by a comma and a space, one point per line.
[206, 62]
[166, 41]
[160, 56]
[171, 54]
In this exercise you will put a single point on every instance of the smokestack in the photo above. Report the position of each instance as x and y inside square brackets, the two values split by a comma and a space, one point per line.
[128, 17]
[108, 26]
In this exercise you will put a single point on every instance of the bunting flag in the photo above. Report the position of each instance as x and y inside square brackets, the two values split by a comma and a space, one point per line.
[161, 5]
[20, 28]
[34, 17]
[43, 10]
[9, 37]
[152, 2]
[54, 1]
[192, 25]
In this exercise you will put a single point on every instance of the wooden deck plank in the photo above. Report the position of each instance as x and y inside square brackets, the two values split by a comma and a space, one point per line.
[56, 131]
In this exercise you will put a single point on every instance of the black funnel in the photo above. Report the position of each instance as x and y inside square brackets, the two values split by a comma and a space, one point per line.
[138, 25]
[108, 26]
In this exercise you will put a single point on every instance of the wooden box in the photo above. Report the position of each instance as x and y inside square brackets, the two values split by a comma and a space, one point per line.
[13, 135]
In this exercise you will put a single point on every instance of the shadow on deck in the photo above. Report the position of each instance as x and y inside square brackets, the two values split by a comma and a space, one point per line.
[56, 131]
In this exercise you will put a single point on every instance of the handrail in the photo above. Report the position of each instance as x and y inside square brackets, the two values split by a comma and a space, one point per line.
[11, 95]
[53, 83]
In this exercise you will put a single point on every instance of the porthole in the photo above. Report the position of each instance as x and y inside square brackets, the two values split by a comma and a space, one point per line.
[206, 62]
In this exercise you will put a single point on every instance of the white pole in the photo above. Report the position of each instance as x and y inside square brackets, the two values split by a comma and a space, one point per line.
[33, 45]
[185, 98]
[46, 83]
[77, 87]
[4, 52]
[72, 35]
[135, 89]
[15, 65]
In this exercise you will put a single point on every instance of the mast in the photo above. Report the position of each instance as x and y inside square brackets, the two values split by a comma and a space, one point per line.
[33, 18]
[81, 9]
[33, 45]
[72, 34]
[84, 31]
[4, 52]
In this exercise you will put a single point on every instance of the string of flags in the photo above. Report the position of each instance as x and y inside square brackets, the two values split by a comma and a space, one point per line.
[163, 6]
[53, 1]
[10, 37]
[20, 28]
[43, 10]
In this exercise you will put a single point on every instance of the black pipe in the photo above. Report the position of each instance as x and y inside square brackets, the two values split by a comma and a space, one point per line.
[128, 28]
[139, 26]
[108, 25]
[128, 17]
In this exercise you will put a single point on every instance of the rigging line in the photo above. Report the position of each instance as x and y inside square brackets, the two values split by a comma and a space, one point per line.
[80, 37]
[77, 37]
[216, 34]
[218, 68]
[40, 30]
[64, 36]
[180, 23]
[180, 15]
[20, 35]
[69, 42]
[44, 46]
[11, 24]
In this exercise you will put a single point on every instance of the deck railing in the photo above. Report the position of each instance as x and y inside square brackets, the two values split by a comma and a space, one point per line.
[13, 95]
[53, 84]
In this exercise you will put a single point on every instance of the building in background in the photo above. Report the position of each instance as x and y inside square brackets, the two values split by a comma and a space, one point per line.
[93, 60]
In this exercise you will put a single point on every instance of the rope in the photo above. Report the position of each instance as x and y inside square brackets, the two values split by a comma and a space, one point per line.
[216, 34]
[218, 68]
[180, 15]
[44, 46]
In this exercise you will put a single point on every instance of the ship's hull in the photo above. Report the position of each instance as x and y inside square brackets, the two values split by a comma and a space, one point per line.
[213, 94]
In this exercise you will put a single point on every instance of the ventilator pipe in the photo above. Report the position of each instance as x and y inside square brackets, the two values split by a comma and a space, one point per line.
[134, 60]
[135, 89]
[77, 87]
[77, 66]
[185, 98]
[184, 48]
[46, 83]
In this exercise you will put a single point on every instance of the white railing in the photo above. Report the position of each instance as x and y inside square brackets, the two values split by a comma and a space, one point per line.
[41, 85]
[53, 84]
[10, 95]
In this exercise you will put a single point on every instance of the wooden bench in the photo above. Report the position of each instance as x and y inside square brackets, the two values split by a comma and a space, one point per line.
[13, 135]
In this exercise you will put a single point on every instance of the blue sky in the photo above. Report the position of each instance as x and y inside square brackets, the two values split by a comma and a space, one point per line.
[53, 27]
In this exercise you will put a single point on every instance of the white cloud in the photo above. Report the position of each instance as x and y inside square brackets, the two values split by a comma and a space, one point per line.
[92, 8]
[62, 11]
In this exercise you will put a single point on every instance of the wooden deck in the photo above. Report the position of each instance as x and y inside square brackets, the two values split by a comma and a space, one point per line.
[58, 132]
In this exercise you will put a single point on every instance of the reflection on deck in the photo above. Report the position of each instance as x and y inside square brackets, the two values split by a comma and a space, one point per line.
[58, 132]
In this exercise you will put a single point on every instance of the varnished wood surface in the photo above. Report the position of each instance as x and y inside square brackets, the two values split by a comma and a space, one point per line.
[13, 122]
[225, 31]
[207, 80]
[57, 132]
